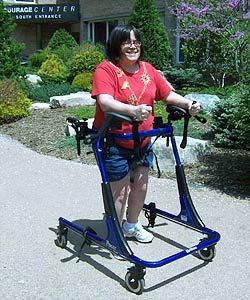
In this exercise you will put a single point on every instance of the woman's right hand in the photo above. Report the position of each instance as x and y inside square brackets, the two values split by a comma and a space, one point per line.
[142, 112]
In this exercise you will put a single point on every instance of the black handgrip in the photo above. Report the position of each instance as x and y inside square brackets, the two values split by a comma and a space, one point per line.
[72, 120]
[199, 118]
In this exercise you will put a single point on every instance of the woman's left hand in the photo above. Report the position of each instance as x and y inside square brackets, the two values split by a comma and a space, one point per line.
[194, 108]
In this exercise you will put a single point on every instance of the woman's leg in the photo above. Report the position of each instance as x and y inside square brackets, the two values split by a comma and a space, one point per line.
[120, 190]
[132, 227]
[137, 194]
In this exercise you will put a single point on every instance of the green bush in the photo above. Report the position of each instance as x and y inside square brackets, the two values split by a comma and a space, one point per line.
[224, 92]
[10, 49]
[37, 58]
[84, 81]
[231, 120]
[53, 70]
[245, 68]
[180, 77]
[14, 103]
[85, 62]
[61, 38]
[44, 92]
[65, 54]
[90, 46]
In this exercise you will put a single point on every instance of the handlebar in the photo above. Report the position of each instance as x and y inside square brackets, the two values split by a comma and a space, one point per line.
[113, 119]
[81, 129]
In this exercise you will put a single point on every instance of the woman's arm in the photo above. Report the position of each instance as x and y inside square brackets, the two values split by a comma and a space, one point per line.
[178, 100]
[108, 103]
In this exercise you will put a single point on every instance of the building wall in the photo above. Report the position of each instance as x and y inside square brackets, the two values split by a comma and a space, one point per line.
[36, 35]
[26, 34]
[97, 9]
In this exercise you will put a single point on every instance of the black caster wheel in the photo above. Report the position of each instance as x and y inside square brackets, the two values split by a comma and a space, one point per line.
[207, 254]
[134, 285]
[61, 240]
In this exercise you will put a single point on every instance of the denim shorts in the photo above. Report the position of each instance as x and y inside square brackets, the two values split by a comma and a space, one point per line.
[118, 161]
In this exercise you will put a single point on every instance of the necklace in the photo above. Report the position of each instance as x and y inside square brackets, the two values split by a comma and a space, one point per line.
[145, 78]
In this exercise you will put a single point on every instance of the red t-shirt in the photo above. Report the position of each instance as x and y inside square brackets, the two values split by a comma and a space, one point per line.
[145, 86]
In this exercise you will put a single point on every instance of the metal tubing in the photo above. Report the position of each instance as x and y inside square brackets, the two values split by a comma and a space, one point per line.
[98, 155]
[165, 215]
[115, 240]
[169, 259]
[148, 133]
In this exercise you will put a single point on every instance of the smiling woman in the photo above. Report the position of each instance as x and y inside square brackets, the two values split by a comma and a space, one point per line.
[128, 85]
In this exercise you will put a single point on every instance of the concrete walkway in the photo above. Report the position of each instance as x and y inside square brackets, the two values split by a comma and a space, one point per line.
[35, 190]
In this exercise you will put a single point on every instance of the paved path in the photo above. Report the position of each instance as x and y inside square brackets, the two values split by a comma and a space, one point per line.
[36, 189]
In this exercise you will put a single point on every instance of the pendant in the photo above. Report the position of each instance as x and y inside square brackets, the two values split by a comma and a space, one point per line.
[145, 78]
[132, 99]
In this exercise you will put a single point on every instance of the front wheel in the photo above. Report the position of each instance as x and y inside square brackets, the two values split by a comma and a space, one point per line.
[207, 254]
[61, 234]
[134, 285]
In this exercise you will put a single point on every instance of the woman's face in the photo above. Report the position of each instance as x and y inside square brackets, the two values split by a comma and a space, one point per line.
[130, 50]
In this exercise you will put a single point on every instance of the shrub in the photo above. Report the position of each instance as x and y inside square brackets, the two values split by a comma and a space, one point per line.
[44, 92]
[53, 70]
[14, 104]
[37, 58]
[85, 62]
[10, 48]
[224, 92]
[84, 81]
[61, 38]
[246, 55]
[90, 46]
[180, 77]
[65, 54]
[231, 120]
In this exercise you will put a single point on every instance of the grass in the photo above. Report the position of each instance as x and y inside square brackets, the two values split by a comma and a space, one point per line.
[70, 142]
[83, 111]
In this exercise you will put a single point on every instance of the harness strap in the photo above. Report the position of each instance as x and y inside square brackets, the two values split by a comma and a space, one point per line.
[138, 156]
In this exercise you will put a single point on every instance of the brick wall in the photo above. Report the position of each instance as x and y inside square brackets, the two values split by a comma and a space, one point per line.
[97, 9]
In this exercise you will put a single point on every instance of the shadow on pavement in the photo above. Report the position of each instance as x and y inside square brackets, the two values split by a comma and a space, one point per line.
[226, 170]
[86, 252]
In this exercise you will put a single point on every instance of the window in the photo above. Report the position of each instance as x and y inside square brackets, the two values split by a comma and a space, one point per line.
[98, 32]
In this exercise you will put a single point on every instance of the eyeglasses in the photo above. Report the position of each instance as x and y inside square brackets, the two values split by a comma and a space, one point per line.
[131, 43]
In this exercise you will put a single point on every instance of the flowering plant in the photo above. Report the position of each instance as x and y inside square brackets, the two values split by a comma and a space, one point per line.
[213, 35]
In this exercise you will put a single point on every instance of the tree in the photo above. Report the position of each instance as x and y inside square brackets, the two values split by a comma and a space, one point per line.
[146, 19]
[213, 36]
[10, 49]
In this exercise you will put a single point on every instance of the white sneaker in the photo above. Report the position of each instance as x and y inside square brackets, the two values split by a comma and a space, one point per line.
[138, 232]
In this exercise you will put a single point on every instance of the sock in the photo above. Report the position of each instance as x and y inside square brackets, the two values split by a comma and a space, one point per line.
[128, 225]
